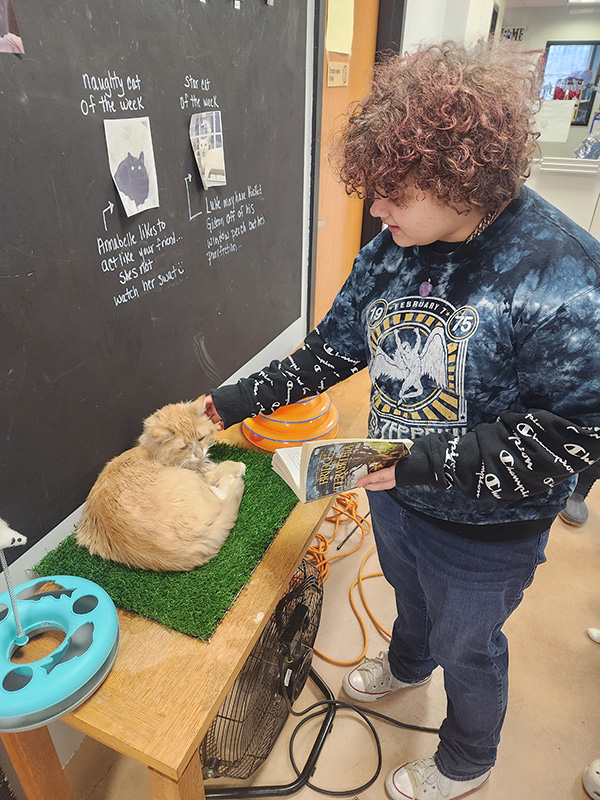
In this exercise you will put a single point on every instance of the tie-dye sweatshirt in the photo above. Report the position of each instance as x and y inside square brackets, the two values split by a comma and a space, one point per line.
[495, 375]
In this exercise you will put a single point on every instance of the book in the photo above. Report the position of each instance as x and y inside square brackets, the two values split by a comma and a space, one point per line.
[329, 466]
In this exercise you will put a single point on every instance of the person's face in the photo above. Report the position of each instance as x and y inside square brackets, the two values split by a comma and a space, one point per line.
[423, 219]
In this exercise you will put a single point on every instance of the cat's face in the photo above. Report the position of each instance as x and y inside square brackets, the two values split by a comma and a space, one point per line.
[179, 435]
[132, 179]
[204, 145]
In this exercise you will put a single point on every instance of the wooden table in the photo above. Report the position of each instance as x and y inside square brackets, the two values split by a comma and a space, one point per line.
[165, 688]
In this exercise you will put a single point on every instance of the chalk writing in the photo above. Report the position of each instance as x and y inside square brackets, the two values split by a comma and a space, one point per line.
[229, 219]
[197, 101]
[111, 93]
[188, 180]
[141, 260]
[129, 294]
[193, 83]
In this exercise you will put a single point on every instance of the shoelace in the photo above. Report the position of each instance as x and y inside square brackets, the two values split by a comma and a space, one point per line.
[372, 667]
[426, 778]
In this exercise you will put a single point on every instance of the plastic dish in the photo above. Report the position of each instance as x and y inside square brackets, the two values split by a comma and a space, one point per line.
[289, 426]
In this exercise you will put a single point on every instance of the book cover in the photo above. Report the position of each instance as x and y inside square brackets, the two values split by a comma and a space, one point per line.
[335, 467]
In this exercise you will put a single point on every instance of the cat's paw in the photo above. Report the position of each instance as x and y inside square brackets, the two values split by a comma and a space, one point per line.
[231, 484]
[239, 469]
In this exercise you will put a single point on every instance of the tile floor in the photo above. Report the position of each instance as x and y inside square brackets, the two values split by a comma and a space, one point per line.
[552, 728]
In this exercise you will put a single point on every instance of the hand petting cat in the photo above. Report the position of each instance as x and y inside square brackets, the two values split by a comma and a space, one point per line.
[212, 413]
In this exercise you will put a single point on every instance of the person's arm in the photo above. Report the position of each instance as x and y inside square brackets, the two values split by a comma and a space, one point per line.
[517, 456]
[333, 351]
[310, 370]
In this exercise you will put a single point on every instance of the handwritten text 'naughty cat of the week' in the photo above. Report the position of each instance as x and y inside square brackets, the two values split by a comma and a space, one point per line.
[111, 94]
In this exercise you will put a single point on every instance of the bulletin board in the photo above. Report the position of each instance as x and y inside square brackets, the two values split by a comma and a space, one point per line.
[119, 297]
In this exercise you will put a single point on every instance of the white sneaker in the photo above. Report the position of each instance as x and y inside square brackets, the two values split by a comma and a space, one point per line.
[422, 780]
[591, 779]
[373, 679]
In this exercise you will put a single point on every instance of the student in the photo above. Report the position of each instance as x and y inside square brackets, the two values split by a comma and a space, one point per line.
[476, 311]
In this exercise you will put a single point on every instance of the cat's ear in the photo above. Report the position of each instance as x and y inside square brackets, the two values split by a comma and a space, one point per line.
[141, 157]
[199, 405]
[161, 435]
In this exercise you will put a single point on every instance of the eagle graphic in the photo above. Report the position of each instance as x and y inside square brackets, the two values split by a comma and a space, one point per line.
[409, 364]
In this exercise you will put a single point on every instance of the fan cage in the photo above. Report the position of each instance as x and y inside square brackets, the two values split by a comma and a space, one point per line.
[5, 790]
[256, 707]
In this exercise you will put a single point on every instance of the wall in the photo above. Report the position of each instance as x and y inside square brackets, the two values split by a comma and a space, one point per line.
[340, 217]
[431, 21]
[550, 23]
[423, 23]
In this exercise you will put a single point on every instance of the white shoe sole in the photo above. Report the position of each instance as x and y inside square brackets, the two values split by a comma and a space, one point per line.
[395, 794]
[370, 697]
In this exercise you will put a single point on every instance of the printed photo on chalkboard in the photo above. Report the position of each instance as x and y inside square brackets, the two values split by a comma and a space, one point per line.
[131, 159]
[206, 136]
[10, 38]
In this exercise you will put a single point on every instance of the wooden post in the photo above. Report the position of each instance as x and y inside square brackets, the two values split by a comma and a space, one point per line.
[188, 787]
[37, 765]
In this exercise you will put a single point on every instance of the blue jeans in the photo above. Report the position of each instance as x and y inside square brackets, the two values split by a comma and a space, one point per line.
[453, 597]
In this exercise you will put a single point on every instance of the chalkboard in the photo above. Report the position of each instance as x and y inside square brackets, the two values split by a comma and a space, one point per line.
[106, 317]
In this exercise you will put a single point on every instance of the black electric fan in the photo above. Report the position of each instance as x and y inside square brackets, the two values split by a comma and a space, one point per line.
[256, 708]
[5, 790]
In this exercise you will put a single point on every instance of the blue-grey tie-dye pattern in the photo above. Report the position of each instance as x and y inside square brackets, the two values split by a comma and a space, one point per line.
[517, 313]
[495, 375]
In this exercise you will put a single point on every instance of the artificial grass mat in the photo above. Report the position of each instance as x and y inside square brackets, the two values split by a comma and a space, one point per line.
[192, 602]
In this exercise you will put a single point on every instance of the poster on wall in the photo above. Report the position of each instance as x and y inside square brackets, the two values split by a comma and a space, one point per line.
[554, 120]
[10, 37]
[206, 136]
[340, 26]
[514, 34]
[131, 159]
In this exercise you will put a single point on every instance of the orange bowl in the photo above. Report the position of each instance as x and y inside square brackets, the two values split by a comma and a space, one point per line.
[289, 426]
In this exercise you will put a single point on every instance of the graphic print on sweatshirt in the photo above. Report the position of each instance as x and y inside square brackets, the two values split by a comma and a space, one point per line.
[418, 349]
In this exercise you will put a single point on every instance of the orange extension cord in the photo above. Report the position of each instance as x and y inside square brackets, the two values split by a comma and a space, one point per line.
[345, 508]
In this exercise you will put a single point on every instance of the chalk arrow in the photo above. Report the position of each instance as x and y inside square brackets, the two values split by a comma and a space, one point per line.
[188, 180]
[108, 208]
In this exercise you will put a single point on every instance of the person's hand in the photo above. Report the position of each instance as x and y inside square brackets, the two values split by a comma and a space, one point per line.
[378, 481]
[213, 414]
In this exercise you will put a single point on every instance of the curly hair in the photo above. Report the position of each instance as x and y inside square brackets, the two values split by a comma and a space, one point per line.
[453, 121]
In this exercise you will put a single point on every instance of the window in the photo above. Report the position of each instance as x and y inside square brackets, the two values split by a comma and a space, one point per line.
[571, 73]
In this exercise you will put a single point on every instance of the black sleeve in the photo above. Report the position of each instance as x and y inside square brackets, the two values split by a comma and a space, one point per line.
[519, 455]
[312, 369]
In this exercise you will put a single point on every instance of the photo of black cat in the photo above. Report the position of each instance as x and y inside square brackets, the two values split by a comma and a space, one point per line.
[131, 178]
[131, 161]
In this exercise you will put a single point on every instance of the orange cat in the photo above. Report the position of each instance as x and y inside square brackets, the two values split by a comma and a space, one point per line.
[164, 505]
